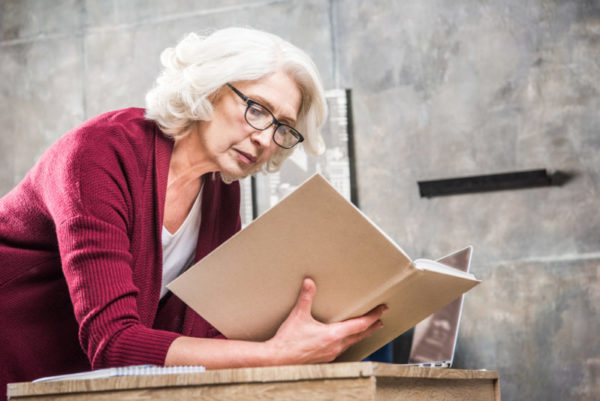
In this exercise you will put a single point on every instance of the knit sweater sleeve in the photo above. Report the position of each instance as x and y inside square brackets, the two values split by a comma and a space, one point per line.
[89, 192]
[96, 267]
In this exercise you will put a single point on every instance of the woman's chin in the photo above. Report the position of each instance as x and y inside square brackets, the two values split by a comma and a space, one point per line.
[229, 175]
[227, 178]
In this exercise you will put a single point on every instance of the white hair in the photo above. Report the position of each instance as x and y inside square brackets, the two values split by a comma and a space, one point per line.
[199, 66]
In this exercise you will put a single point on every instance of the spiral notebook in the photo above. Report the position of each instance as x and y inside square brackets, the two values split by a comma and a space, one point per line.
[136, 370]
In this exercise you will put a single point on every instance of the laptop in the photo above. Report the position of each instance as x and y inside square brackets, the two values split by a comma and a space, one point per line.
[434, 339]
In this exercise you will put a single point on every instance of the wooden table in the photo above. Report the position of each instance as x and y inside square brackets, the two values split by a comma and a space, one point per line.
[338, 381]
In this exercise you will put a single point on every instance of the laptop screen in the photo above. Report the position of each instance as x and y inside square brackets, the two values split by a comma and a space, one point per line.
[434, 339]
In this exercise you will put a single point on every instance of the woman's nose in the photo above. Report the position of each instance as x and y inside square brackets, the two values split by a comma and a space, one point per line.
[263, 138]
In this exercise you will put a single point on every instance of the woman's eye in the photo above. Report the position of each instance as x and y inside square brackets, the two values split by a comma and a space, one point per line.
[256, 111]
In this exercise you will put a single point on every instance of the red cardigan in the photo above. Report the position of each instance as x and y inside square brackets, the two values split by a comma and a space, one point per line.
[81, 255]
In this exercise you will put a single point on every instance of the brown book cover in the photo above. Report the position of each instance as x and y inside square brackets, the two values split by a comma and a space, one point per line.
[248, 285]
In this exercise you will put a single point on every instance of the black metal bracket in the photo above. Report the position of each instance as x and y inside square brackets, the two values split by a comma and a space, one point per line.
[492, 182]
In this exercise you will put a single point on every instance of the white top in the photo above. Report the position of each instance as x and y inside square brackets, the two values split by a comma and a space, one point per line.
[179, 248]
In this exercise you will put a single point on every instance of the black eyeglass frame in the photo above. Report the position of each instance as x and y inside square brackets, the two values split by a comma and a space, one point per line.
[250, 102]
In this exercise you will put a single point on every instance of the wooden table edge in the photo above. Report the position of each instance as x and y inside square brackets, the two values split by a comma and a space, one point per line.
[273, 374]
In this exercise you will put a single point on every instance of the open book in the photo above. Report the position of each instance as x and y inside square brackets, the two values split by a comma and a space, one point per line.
[248, 285]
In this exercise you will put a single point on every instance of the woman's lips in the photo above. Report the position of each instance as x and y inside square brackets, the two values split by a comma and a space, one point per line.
[246, 158]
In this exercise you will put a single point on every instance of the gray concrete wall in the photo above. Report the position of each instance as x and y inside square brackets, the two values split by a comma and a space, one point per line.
[440, 89]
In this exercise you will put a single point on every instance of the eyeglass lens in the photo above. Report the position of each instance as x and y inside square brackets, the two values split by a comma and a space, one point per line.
[261, 118]
[285, 137]
[258, 116]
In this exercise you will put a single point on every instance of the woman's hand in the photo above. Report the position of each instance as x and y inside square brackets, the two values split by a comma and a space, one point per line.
[302, 339]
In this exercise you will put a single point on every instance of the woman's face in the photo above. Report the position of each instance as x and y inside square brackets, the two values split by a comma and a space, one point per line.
[230, 142]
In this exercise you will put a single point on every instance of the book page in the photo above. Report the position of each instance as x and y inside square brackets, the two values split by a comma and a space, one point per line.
[410, 301]
[432, 265]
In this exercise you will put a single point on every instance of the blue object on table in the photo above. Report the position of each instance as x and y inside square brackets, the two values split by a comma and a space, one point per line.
[383, 354]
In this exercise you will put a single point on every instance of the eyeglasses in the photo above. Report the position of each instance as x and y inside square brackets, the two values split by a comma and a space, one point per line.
[261, 118]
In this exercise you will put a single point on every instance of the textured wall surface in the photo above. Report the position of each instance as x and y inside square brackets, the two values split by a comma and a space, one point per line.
[440, 89]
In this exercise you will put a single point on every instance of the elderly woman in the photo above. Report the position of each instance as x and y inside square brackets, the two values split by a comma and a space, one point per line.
[122, 204]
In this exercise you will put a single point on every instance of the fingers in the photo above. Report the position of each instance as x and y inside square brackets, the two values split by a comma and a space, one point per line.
[354, 338]
[360, 324]
[361, 335]
[302, 339]
[306, 297]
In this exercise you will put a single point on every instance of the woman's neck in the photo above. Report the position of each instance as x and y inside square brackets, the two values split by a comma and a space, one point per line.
[187, 166]
[188, 160]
